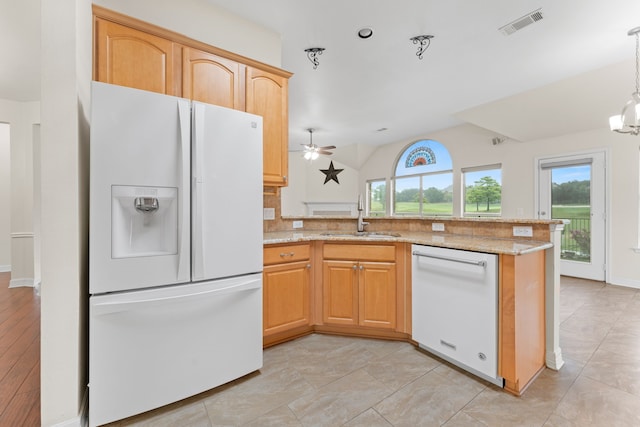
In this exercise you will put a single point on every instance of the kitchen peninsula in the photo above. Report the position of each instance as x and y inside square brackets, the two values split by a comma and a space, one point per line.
[327, 278]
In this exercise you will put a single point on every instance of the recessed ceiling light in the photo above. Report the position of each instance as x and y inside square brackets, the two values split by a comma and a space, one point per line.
[365, 33]
[381, 129]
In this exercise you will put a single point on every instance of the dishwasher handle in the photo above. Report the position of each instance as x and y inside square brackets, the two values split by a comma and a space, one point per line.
[460, 260]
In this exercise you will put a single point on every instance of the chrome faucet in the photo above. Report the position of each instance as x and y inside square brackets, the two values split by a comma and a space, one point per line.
[361, 223]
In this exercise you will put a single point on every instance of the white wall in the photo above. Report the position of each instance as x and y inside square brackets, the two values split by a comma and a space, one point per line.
[207, 23]
[66, 76]
[66, 73]
[471, 146]
[306, 184]
[5, 198]
[21, 116]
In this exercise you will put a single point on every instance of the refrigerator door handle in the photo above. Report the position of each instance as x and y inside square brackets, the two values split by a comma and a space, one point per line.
[197, 212]
[183, 228]
[108, 307]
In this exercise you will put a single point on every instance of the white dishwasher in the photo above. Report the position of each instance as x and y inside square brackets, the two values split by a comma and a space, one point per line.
[455, 307]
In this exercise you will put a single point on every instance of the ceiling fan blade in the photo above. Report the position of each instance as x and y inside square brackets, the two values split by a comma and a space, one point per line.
[326, 153]
[328, 147]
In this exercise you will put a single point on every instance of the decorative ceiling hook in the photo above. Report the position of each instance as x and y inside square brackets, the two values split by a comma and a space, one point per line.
[424, 41]
[312, 54]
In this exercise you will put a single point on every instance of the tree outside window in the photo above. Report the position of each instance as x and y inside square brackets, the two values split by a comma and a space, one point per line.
[482, 191]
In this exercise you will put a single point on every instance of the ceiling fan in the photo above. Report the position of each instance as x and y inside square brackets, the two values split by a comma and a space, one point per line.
[312, 151]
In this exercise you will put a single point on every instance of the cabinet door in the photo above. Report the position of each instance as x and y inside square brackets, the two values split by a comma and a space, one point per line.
[340, 292]
[267, 96]
[133, 58]
[377, 285]
[212, 79]
[286, 296]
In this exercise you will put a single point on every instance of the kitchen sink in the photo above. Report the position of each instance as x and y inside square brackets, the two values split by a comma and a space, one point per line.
[361, 234]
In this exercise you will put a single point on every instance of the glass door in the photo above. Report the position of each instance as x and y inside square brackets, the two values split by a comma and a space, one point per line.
[572, 189]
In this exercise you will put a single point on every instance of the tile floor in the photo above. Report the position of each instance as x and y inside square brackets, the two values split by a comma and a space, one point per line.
[322, 380]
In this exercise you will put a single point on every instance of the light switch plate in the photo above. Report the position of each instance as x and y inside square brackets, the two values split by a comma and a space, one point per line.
[437, 226]
[523, 231]
[269, 213]
[297, 224]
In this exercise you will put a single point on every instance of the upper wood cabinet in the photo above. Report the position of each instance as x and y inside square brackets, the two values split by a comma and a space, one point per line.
[267, 96]
[212, 79]
[128, 57]
[130, 52]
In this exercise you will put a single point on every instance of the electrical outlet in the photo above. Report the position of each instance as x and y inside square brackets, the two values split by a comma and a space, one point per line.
[297, 224]
[522, 231]
[437, 226]
[269, 213]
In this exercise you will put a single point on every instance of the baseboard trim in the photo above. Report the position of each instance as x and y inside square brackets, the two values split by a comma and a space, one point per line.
[21, 283]
[621, 281]
[73, 422]
[554, 359]
[82, 420]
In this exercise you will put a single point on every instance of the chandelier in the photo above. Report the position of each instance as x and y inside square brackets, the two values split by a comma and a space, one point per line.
[629, 120]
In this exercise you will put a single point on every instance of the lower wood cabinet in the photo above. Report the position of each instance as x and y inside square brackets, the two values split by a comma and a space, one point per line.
[521, 352]
[286, 292]
[360, 290]
[364, 289]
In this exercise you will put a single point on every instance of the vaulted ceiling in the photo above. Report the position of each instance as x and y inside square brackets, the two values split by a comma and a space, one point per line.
[526, 85]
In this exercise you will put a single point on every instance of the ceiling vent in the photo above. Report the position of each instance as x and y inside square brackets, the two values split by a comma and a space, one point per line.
[522, 22]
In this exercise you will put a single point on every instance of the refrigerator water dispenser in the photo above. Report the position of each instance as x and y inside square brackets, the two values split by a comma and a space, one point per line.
[144, 221]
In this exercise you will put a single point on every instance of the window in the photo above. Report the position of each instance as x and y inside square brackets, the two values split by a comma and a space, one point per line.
[482, 190]
[423, 181]
[377, 197]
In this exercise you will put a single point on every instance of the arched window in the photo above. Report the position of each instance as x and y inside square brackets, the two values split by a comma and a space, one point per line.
[423, 180]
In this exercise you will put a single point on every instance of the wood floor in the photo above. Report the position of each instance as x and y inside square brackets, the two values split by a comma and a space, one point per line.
[19, 355]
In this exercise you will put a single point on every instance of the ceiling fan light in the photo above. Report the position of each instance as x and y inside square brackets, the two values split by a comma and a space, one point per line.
[314, 155]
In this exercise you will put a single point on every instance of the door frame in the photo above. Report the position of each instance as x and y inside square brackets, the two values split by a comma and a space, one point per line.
[605, 152]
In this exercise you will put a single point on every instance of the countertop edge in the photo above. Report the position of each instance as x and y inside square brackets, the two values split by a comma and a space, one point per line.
[494, 220]
[452, 241]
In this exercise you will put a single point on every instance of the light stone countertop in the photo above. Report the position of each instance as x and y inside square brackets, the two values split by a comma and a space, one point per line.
[452, 241]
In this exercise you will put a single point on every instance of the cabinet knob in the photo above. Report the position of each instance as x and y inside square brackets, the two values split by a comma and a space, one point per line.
[308, 265]
[355, 267]
[361, 267]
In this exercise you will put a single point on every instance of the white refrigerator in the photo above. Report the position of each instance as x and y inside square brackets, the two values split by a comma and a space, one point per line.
[175, 245]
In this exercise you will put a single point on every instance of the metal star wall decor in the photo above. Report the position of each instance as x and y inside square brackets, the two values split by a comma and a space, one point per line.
[331, 173]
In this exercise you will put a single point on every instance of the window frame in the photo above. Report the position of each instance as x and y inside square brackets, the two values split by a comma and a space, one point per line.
[369, 193]
[393, 181]
[463, 172]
